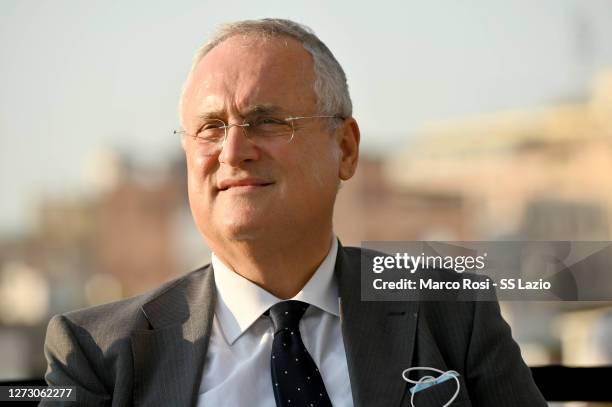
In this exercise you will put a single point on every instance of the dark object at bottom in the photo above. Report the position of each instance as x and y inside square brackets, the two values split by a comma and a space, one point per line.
[557, 383]
[561, 383]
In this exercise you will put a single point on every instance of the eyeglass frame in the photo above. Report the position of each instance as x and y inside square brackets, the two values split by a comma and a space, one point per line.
[227, 126]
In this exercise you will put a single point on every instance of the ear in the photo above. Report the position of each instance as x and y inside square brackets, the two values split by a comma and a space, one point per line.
[348, 141]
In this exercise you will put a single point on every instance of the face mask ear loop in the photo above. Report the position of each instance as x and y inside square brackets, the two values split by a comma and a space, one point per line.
[428, 381]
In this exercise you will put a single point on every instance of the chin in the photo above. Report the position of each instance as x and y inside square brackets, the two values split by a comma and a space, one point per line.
[242, 229]
[244, 237]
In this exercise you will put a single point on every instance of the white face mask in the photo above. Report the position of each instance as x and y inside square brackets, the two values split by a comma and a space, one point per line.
[426, 382]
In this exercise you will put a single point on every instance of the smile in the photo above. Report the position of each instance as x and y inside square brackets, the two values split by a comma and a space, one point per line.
[245, 188]
[244, 185]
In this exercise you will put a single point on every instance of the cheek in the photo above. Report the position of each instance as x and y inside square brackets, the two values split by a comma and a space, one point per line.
[200, 169]
[324, 168]
[318, 169]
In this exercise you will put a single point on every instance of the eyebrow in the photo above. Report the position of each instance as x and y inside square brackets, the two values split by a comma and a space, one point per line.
[213, 114]
[262, 109]
[258, 109]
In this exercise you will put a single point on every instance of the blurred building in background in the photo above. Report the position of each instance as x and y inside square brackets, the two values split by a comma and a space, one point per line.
[536, 174]
[524, 175]
[130, 234]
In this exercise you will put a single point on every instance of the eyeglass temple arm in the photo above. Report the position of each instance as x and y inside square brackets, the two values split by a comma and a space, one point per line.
[316, 117]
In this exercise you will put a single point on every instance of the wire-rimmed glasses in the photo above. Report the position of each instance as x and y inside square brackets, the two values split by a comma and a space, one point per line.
[261, 131]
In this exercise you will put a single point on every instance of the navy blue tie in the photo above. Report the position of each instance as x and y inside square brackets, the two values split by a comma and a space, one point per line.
[296, 380]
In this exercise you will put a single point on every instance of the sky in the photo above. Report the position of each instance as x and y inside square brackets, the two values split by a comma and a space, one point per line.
[78, 77]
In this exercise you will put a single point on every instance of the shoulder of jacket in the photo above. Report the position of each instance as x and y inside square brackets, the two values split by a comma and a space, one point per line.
[125, 314]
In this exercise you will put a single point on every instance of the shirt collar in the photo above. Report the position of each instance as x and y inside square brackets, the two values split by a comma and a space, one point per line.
[240, 302]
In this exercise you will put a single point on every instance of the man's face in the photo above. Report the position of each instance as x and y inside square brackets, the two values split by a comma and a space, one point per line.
[245, 191]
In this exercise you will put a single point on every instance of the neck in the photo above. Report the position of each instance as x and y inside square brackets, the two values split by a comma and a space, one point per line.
[280, 265]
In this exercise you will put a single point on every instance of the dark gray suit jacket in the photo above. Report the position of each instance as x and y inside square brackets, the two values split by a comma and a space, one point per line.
[150, 350]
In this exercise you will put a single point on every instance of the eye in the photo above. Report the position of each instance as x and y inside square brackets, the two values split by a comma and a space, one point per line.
[269, 127]
[268, 121]
[213, 124]
[212, 131]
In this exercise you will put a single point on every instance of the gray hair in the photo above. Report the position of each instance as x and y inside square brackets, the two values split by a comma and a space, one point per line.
[330, 86]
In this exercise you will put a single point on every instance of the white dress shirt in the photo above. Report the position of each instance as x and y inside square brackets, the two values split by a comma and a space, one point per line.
[237, 367]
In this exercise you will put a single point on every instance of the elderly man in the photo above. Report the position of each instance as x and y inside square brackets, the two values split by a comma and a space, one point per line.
[276, 319]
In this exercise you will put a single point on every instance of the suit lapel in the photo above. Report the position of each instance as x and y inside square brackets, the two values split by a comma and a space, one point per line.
[169, 358]
[378, 337]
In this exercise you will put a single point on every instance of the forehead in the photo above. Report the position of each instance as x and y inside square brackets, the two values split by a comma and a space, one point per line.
[243, 71]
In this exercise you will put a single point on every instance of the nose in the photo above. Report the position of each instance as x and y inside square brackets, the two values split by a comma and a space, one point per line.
[237, 148]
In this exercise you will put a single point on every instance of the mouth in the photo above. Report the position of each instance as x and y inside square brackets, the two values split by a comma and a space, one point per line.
[243, 185]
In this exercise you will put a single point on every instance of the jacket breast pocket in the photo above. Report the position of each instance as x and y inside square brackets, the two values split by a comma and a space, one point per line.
[438, 395]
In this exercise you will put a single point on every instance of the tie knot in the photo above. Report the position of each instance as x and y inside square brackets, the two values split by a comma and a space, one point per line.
[287, 314]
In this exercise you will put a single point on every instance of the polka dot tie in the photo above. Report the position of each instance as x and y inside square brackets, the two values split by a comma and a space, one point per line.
[296, 380]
